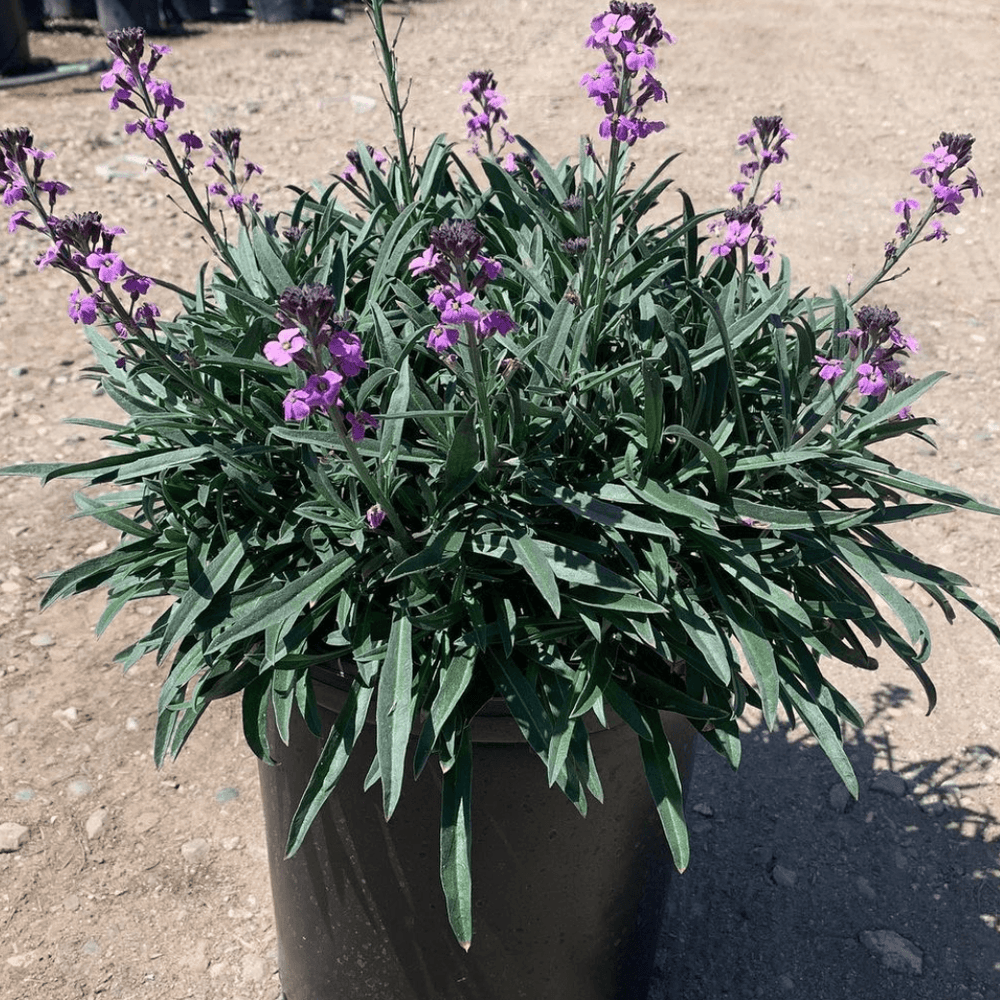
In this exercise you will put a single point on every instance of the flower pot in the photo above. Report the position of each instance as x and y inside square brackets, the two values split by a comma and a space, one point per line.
[14, 54]
[564, 906]
[117, 14]
[83, 9]
[279, 11]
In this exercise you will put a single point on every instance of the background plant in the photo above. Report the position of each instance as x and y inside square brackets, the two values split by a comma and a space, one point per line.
[600, 463]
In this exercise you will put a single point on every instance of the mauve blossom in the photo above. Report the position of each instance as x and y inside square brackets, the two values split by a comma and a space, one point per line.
[280, 352]
[359, 422]
[109, 266]
[82, 308]
[442, 338]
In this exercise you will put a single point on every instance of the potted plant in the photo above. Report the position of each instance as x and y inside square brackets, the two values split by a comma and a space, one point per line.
[475, 464]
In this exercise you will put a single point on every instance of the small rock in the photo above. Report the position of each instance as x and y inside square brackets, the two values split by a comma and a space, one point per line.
[24, 794]
[195, 851]
[17, 371]
[96, 549]
[703, 809]
[96, 823]
[24, 959]
[146, 821]
[13, 836]
[12, 728]
[894, 951]
[786, 983]
[230, 843]
[42, 639]
[91, 948]
[71, 903]
[10, 587]
[865, 888]
[784, 877]
[228, 794]
[840, 798]
[762, 855]
[255, 968]
[935, 807]
[889, 784]
[132, 724]
[77, 789]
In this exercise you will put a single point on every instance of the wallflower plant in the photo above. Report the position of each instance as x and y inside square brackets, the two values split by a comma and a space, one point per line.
[497, 437]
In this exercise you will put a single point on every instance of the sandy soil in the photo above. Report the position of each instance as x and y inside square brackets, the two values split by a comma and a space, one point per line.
[790, 886]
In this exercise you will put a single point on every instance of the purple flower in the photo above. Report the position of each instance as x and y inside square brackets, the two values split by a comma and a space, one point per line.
[905, 205]
[109, 266]
[279, 352]
[51, 255]
[496, 321]
[429, 262]
[82, 308]
[19, 218]
[459, 309]
[190, 141]
[871, 380]
[345, 349]
[374, 516]
[147, 313]
[442, 338]
[938, 232]
[296, 405]
[608, 29]
[137, 284]
[947, 198]
[831, 368]
[360, 422]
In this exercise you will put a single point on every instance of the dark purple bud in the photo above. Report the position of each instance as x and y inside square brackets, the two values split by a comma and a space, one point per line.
[458, 239]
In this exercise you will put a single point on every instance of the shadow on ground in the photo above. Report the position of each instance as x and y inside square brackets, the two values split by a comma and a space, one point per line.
[795, 890]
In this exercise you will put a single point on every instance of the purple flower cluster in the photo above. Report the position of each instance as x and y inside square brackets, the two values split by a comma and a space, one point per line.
[454, 247]
[483, 110]
[131, 80]
[881, 348]
[313, 338]
[622, 86]
[82, 245]
[937, 169]
[225, 149]
[744, 225]
[354, 161]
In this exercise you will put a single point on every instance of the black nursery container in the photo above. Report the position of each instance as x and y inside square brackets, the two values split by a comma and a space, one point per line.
[564, 906]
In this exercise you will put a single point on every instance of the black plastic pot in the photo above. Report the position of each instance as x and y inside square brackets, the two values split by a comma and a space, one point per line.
[14, 54]
[279, 11]
[82, 9]
[193, 10]
[565, 908]
[34, 14]
[117, 14]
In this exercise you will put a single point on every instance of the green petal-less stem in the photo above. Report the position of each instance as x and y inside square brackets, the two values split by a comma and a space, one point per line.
[500, 438]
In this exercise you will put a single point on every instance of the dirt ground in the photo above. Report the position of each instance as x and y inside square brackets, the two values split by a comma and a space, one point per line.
[792, 891]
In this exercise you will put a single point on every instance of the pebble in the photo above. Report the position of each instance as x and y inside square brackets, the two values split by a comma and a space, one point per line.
[71, 903]
[77, 789]
[889, 784]
[195, 851]
[894, 951]
[132, 724]
[9, 586]
[96, 549]
[784, 877]
[703, 809]
[25, 958]
[255, 968]
[24, 794]
[228, 794]
[786, 983]
[69, 715]
[17, 371]
[91, 948]
[42, 639]
[146, 821]
[13, 836]
[96, 823]
[230, 843]
[840, 798]
[865, 888]
[12, 728]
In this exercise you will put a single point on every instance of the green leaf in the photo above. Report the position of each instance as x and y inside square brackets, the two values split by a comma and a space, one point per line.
[442, 548]
[454, 679]
[532, 558]
[664, 782]
[456, 841]
[286, 602]
[393, 710]
[330, 765]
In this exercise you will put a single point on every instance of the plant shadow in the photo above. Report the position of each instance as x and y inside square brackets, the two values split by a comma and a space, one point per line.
[796, 890]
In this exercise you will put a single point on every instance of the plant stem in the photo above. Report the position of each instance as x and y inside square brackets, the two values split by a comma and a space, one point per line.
[396, 107]
[368, 480]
